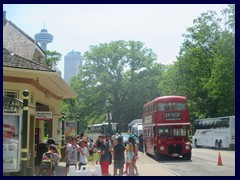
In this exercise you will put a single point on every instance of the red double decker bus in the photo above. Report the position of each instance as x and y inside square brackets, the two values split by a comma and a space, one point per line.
[166, 123]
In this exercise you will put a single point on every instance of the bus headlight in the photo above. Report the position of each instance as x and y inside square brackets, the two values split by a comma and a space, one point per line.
[187, 147]
[161, 148]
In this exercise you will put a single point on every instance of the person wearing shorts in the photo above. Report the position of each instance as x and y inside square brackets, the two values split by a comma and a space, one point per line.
[119, 157]
[71, 154]
[104, 156]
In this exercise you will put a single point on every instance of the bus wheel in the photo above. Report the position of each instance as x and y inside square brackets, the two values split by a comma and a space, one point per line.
[216, 144]
[220, 144]
[187, 156]
[157, 155]
[232, 146]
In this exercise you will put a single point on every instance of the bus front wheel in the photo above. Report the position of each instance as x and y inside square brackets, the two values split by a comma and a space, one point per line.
[187, 156]
[196, 144]
[157, 155]
[146, 149]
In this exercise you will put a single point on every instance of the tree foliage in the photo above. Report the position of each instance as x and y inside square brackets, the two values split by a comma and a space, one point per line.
[206, 65]
[127, 74]
[52, 57]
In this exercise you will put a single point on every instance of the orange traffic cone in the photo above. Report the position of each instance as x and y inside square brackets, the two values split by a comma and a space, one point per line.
[219, 160]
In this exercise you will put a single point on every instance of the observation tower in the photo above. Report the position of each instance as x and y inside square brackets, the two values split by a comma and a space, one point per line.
[43, 38]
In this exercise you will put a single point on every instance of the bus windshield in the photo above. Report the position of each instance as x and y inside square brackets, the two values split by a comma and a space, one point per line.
[165, 132]
[179, 132]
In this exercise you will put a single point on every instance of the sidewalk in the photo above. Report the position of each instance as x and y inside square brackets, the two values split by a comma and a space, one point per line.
[146, 167]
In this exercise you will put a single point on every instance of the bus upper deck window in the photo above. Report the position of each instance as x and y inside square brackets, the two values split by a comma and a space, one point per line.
[161, 106]
[179, 106]
[167, 106]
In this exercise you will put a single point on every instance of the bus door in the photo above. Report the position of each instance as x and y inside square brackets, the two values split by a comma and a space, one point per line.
[151, 140]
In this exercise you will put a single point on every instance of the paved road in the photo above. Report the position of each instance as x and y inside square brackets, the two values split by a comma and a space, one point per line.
[204, 163]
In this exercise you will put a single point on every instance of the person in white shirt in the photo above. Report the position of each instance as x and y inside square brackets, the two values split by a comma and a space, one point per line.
[83, 153]
[71, 154]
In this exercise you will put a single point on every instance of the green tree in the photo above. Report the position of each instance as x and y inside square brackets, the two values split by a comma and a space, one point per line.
[52, 57]
[206, 67]
[109, 73]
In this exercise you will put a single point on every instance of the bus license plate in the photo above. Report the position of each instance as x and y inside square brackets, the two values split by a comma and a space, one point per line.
[175, 154]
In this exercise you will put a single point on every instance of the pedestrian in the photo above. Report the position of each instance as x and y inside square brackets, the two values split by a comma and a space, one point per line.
[129, 157]
[83, 153]
[90, 151]
[47, 166]
[104, 155]
[135, 157]
[140, 139]
[109, 143]
[80, 138]
[119, 156]
[96, 151]
[56, 156]
[71, 154]
[120, 133]
[115, 141]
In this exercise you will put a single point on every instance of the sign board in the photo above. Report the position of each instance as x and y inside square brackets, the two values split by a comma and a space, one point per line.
[173, 116]
[70, 128]
[85, 171]
[43, 115]
[11, 142]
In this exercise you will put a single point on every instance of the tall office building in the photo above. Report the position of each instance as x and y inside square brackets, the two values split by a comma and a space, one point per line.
[43, 38]
[72, 63]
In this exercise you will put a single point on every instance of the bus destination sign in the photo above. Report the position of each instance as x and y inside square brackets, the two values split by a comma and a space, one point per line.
[173, 116]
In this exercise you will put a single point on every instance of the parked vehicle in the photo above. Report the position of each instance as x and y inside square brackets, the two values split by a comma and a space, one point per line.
[216, 132]
[166, 123]
[125, 138]
[137, 129]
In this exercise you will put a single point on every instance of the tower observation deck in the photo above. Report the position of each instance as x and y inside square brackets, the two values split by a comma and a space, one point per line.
[43, 38]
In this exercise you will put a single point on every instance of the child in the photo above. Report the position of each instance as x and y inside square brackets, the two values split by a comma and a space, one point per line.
[91, 146]
[83, 153]
[56, 156]
[47, 167]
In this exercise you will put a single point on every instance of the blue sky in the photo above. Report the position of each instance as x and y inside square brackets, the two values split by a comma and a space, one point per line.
[77, 26]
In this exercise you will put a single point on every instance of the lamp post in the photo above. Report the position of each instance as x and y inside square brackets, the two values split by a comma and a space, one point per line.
[78, 119]
[63, 136]
[24, 149]
[107, 104]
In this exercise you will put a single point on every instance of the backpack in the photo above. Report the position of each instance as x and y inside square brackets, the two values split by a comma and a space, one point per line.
[91, 145]
[47, 164]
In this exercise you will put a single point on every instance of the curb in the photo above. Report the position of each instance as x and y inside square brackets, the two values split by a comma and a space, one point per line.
[158, 163]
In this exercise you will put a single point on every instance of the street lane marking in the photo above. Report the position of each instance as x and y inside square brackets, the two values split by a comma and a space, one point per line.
[211, 162]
